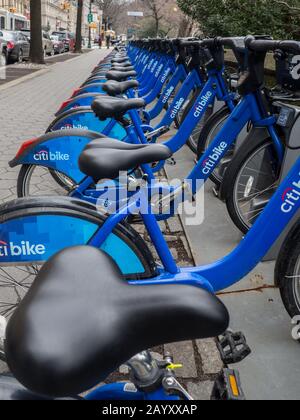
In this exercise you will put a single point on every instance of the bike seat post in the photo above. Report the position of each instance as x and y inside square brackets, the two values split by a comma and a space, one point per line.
[137, 123]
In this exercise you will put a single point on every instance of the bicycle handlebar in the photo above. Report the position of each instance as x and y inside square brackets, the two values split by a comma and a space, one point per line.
[258, 43]
[261, 45]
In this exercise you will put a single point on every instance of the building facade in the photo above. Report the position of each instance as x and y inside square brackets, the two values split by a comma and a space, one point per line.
[56, 15]
[14, 14]
[59, 15]
[97, 20]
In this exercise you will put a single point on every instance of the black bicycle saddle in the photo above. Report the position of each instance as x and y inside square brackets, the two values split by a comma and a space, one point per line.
[123, 64]
[120, 76]
[114, 88]
[80, 321]
[121, 68]
[106, 158]
[109, 107]
[120, 59]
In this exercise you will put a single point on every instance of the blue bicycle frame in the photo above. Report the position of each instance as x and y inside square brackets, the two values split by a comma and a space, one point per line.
[222, 274]
[178, 77]
[123, 392]
[214, 88]
[231, 269]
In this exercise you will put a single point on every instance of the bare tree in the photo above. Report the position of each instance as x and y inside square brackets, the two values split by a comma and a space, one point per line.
[114, 12]
[36, 42]
[289, 6]
[156, 8]
[78, 44]
[186, 26]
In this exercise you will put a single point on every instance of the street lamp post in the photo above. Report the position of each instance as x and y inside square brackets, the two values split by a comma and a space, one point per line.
[90, 29]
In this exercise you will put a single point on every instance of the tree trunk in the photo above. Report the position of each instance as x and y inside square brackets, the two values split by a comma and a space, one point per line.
[185, 27]
[78, 45]
[36, 42]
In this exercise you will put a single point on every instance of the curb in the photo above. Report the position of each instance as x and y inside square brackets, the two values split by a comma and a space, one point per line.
[22, 79]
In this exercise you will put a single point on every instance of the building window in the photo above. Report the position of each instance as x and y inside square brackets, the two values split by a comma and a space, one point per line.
[2, 22]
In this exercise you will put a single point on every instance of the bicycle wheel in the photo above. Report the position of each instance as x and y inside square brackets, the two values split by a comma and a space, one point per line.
[14, 284]
[56, 224]
[287, 271]
[36, 181]
[251, 180]
[212, 126]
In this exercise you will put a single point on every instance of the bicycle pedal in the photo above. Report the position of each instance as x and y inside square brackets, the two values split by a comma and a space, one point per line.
[233, 347]
[228, 387]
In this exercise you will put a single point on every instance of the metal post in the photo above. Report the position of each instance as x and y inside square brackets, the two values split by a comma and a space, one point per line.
[90, 30]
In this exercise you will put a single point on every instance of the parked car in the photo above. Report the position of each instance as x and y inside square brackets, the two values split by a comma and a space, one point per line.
[3, 51]
[68, 39]
[48, 46]
[59, 46]
[18, 46]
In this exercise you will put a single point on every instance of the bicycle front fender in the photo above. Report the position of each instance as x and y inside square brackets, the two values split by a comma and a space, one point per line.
[59, 151]
[34, 229]
[85, 99]
[83, 118]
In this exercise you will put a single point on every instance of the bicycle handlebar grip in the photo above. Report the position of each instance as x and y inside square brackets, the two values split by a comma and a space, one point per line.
[189, 42]
[209, 42]
[290, 46]
[232, 42]
[261, 45]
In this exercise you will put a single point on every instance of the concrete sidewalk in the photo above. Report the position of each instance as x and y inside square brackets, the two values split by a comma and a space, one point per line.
[273, 370]
[27, 109]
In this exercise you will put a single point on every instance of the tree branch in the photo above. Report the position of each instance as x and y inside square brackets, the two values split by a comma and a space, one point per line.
[284, 3]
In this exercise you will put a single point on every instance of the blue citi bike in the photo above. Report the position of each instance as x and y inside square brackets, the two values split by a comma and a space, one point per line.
[33, 229]
[164, 302]
[59, 151]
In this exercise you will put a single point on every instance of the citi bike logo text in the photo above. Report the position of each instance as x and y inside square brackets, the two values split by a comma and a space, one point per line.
[290, 197]
[202, 103]
[177, 107]
[154, 67]
[158, 70]
[24, 248]
[214, 158]
[45, 156]
[295, 67]
[168, 94]
[165, 75]
[150, 64]
[74, 126]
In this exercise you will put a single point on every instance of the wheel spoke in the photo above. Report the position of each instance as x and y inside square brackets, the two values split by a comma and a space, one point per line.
[14, 284]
